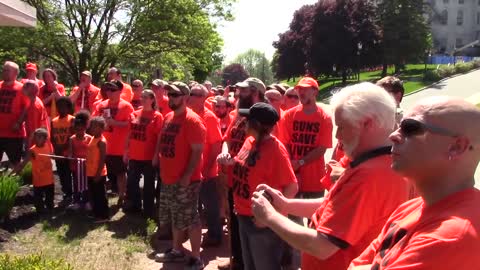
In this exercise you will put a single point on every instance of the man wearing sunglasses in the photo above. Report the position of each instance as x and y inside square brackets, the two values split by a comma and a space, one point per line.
[436, 148]
[114, 74]
[179, 150]
[359, 203]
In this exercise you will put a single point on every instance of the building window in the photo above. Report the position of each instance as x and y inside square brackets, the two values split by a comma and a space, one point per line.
[444, 17]
[460, 17]
[461, 2]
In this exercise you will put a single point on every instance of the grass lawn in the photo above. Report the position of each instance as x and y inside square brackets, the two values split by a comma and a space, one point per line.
[412, 77]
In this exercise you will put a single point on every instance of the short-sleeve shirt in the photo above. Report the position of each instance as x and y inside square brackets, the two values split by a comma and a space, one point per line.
[162, 104]
[37, 117]
[213, 136]
[356, 208]
[12, 103]
[93, 157]
[44, 92]
[145, 127]
[302, 133]
[115, 136]
[179, 132]
[127, 92]
[272, 167]
[62, 130]
[225, 123]
[88, 98]
[441, 236]
[236, 134]
[42, 173]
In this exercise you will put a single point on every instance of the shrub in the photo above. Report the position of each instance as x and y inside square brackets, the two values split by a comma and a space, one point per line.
[31, 262]
[432, 76]
[463, 67]
[446, 71]
[476, 64]
[26, 174]
[9, 186]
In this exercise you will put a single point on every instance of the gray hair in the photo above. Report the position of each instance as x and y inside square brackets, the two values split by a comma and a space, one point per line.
[12, 64]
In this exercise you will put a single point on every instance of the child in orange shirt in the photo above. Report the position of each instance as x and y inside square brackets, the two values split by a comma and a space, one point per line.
[43, 185]
[97, 171]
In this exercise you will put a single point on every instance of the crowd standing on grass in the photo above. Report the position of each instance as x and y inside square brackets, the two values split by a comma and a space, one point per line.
[398, 192]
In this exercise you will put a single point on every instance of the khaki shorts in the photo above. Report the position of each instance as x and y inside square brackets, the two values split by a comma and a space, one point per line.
[178, 205]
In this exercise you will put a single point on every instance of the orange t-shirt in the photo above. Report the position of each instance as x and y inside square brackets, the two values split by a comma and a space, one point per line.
[79, 148]
[272, 168]
[127, 92]
[45, 92]
[444, 235]
[12, 104]
[42, 173]
[209, 103]
[145, 127]
[37, 117]
[302, 133]
[236, 134]
[162, 104]
[115, 136]
[179, 132]
[225, 123]
[214, 135]
[88, 98]
[62, 130]
[356, 208]
[93, 157]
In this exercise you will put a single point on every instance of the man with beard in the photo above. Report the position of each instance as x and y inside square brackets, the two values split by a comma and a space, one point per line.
[179, 151]
[85, 94]
[221, 108]
[353, 213]
[251, 91]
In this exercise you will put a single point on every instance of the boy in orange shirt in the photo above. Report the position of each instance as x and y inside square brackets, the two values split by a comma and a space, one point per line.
[42, 173]
[36, 116]
[97, 171]
[60, 132]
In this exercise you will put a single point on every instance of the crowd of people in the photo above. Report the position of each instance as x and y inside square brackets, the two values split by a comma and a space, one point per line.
[398, 192]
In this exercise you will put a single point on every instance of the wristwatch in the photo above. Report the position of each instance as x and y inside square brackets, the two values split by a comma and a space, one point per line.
[301, 162]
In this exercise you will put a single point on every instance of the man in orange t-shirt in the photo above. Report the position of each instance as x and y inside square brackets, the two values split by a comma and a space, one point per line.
[221, 108]
[359, 203]
[180, 147]
[437, 152]
[158, 87]
[307, 133]
[37, 116]
[13, 111]
[117, 113]
[32, 72]
[213, 146]
[85, 94]
[275, 99]
[114, 74]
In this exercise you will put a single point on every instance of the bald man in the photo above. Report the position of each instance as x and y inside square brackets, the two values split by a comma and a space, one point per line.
[436, 147]
[137, 87]
[275, 99]
[290, 99]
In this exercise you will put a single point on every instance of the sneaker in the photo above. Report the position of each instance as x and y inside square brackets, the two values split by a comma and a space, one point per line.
[74, 206]
[170, 255]
[194, 264]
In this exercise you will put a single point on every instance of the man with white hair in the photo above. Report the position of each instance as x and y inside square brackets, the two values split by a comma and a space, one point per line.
[360, 202]
[438, 153]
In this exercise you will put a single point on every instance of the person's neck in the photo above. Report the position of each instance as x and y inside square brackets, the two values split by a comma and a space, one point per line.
[362, 149]
[180, 110]
[80, 135]
[309, 108]
[97, 136]
[62, 116]
[435, 189]
[198, 109]
[147, 109]
[114, 100]
[8, 82]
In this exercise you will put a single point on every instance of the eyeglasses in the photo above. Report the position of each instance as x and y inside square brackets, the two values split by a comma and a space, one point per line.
[196, 95]
[292, 96]
[411, 127]
[174, 95]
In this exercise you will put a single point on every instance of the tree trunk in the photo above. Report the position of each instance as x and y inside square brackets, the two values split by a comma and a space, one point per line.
[344, 77]
[384, 70]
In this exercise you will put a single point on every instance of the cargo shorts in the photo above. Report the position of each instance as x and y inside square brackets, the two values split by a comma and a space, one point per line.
[178, 205]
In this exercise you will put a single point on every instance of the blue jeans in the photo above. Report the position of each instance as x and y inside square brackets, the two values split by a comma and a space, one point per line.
[209, 199]
[262, 249]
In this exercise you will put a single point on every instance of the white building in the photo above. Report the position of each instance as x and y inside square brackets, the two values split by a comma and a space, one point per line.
[454, 24]
[17, 13]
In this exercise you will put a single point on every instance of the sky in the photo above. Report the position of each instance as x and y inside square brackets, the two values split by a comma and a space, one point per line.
[257, 25]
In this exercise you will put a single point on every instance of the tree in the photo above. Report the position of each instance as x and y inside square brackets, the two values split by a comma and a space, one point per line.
[256, 64]
[405, 33]
[233, 74]
[75, 35]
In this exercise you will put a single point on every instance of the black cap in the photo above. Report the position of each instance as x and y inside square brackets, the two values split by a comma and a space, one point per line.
[262, 112]
[114, 85]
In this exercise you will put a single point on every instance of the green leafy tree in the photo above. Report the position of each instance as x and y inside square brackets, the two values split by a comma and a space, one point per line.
[256, 64]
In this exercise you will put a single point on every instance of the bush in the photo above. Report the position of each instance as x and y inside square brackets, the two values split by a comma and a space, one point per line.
[476, 64]
[26, 174]
[446, 71]
[31, 262]
[432, 76]
[463, 67]
[9, 186]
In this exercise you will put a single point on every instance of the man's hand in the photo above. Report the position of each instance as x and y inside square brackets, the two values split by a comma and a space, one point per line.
[337, 170]
[278, 200]
[262, 209]
[225, 159]
[184, 181]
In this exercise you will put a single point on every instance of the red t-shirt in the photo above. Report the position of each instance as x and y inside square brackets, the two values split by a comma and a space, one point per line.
[61, 131]
[225, 123]
[145, 127]
[37, 117]
[45, 92]
[162, 104]
[179, 132]
[42, 172]
[79, 148]
[127, 92]
[12, 104]
[115, 136]
[355, 210]
[236, 134]
[272, 168]
[302, 133]
[213, 136]
[89, 97]
[444, 235]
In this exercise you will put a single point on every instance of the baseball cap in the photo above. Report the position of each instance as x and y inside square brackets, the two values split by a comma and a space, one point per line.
[253, 82]
[262, 112]
[87, 73]
[31, 66]
[158, 82]
[114, 85]
[307, 82]
[178, 87]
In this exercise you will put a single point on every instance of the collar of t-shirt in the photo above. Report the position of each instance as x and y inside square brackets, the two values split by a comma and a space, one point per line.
[385, 150]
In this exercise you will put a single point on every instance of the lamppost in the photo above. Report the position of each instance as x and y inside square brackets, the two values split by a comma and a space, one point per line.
[359, 47]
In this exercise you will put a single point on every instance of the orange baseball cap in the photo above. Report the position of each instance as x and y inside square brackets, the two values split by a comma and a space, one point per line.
[307, 82]
[31, 66]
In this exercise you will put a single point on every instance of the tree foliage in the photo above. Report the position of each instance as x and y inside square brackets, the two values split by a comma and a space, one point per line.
[177, 37]
[233, 74]
[256, 64]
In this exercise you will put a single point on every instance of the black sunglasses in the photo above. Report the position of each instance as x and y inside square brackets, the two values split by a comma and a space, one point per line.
[174, 95]
[292, 96]
[411, 127]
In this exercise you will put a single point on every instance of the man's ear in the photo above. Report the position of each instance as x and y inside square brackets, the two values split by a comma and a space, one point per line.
[458, 147]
